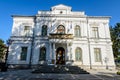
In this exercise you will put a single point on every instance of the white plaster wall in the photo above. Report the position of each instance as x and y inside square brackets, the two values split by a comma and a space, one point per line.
[36, 51]
[15, 51]
[101, 23]
[54, 22]
[69, 21]
[85, 53]
[35, 57]
[19, 23]
[107, 28]
[109, 55]
[103, 53]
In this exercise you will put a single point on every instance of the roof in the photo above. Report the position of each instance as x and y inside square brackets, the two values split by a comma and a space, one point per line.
[61, 6]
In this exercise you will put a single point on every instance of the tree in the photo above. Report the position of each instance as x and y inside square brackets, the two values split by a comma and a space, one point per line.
[2, 49]
[115, 35]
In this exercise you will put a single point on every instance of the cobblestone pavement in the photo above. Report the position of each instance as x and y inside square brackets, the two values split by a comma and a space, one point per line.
[27, 75]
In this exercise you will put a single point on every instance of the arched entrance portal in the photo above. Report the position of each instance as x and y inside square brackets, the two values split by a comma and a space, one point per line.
[60, 56]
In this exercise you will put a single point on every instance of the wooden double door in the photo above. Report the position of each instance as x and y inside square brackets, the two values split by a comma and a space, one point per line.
[60, 56]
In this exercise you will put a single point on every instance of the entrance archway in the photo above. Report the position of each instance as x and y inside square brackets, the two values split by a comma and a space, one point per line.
[60, 56]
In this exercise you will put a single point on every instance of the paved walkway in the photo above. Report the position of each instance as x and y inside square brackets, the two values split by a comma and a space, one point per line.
[105, 74]
[27, 75]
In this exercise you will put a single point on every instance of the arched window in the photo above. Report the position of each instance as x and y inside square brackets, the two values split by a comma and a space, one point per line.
[77, 31]
[61, 29]
[44, 30]
[78, 54]
[42, 55]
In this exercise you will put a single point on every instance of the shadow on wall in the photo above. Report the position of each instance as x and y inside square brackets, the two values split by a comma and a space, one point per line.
[18, 36]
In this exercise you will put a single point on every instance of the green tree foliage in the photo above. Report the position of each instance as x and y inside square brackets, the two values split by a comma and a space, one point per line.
[2, 49]
[115, 35]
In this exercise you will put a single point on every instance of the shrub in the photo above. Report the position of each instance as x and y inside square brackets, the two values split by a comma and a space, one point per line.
[118, 73]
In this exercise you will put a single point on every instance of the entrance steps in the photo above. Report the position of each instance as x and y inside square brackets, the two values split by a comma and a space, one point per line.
[61, 69]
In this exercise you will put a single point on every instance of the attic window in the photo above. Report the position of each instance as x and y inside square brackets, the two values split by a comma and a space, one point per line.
[61, 12]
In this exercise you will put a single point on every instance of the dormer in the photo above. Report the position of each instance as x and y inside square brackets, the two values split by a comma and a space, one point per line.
[61, 9]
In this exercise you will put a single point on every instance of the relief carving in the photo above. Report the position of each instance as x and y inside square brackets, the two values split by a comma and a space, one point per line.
[94, 24]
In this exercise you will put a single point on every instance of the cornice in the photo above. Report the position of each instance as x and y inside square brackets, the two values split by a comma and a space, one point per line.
[23, 16]
[63, 15]
[98, 16]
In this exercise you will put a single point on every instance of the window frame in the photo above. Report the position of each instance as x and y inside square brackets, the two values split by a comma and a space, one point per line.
[27, 30]
[77, 31]
[42, 57]
[78, 54]
[62, 30]
[44, 28]
[22, 57]
[95, 32]
[97, 54]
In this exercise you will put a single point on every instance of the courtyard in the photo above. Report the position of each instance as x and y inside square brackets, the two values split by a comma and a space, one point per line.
[26, 74]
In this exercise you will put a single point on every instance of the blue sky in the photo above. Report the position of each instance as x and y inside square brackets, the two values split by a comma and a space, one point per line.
[30, 7]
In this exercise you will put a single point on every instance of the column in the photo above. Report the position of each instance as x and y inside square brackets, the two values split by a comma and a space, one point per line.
[69, 55]
[68, 51]
[54, 54]
[50, 53]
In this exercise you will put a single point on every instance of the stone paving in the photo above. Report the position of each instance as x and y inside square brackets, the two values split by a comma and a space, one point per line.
[27, 75]
[106, 74]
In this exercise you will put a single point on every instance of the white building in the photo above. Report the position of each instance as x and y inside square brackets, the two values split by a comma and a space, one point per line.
[61, 36]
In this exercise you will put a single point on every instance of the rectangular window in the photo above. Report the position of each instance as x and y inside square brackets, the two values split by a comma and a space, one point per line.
[23, 53]
[77, 31]
[27, 30]
[97, 54]
[95, 32]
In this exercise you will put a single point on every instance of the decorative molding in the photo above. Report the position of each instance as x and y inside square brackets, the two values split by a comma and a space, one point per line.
[27, 23]
[94, 24]
[105, 23]
[61, 36]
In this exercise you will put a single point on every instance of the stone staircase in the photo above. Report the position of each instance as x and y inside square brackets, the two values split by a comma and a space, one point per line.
[61, 69]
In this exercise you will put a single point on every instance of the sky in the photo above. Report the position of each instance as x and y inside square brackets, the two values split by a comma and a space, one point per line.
[31, 7]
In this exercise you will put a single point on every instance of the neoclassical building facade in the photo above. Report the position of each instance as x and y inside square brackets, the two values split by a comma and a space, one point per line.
[61, 37]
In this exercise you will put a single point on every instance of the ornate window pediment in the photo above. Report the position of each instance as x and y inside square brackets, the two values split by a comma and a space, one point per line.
[61, 29]
[94, 24]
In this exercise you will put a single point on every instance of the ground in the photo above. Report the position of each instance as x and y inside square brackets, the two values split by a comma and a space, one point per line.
[17, 74]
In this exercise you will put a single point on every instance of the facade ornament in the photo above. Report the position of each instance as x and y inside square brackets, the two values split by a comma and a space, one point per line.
[94, 24]
[61, 31]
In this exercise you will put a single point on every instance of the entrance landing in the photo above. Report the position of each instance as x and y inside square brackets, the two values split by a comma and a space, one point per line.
[60, 69]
